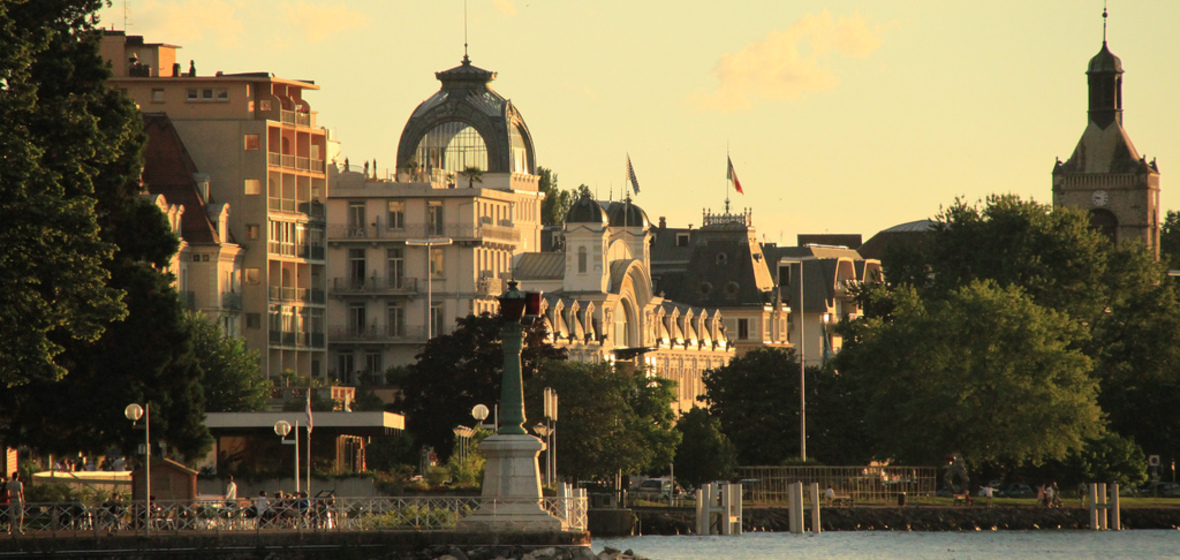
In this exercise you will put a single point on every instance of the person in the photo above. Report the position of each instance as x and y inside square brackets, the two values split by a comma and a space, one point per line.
[16, 504]
[987, 493]
[113, 513]
[1054, 495]
[830, 495]
[260, 505]
[231, 491]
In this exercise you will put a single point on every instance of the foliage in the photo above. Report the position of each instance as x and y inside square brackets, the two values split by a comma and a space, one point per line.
[321, 401]
[474, 175]
[230, 373]
[66, 138]
[367, 400]
[985, 372]
[613, 421]
[557, 202]
[457, 371]
[755, 398]
[468, 471]
[704, 454]
[1110, 458]
[1170, 240]
[392, 453]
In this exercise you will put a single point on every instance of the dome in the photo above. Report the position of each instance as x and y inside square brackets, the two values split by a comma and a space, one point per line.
[467, 124]
[1105, 62]
[626, 214]
[586, 210]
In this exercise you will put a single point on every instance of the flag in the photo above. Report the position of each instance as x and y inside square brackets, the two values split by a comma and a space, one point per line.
[309, 423]
[732, 175]
[631, 174]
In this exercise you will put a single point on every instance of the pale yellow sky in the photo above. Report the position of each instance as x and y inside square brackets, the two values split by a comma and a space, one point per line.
[840, 116]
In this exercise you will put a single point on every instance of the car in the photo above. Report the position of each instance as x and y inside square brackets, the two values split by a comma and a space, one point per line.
[657, 489]
[1166, 489]
[1018, 490]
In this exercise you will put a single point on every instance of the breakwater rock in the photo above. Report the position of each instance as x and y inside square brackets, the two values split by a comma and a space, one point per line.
[654, 521]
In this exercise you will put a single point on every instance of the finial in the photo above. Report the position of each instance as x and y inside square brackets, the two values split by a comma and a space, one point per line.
[468, 60]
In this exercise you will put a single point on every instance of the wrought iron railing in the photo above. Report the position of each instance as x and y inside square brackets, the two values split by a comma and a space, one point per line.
[291, 514]
[873, 483]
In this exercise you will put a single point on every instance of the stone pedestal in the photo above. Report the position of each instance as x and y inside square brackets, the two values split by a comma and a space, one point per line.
[511, 488]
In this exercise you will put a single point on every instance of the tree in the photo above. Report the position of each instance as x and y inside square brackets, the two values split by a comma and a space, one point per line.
[78, 142]
[557, 202]
[984, 371]
[474, 175]
[610, 421]
[1170, 240]
[755, 399]
[704, 454]
[230, 374]
[56, 145]
[457, 371]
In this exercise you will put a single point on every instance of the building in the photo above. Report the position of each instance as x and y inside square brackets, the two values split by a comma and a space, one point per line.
[600, 306]
[408, 256]
[255, 139]
[1105, 175]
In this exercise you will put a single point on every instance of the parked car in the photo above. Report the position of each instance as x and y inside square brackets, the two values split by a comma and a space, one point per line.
[657, 489]
[1018, 490]
[1166, 489]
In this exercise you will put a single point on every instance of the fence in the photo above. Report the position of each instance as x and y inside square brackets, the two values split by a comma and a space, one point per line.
[314, 514]
[860, 484]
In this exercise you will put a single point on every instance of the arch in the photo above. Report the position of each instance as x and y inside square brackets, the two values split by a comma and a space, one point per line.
[627, 321]
[1105, 222]
[452, 146]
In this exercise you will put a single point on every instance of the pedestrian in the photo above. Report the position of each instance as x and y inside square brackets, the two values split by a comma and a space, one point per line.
[987, 493]
[231, 491]
[830, 495]
[16, 504]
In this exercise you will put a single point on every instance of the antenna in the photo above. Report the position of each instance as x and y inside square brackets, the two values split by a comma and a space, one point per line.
[126, 15]
[465, 30]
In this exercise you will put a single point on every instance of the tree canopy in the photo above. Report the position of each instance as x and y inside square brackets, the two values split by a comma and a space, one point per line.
[756, 400]
[705, 454]
[230, 373]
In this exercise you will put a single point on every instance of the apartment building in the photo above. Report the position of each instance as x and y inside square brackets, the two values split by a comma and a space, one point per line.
[255, 139]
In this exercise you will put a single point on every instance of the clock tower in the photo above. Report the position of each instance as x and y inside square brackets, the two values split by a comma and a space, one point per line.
[1106, 176]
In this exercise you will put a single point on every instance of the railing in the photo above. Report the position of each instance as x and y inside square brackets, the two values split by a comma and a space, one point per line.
[293, 514]
[379, 334]
[297, 339]
[769, 484]
[374, 285]
[342, 232]
[278, 293]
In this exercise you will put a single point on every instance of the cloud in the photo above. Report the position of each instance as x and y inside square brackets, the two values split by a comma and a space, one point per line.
[187, 22]
[319, 22]
[787, 63]
[505, 6]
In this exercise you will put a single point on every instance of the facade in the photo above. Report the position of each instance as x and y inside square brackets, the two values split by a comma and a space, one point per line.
[829, 273]
[599, 304]
[410, 255]
[255, 139]
[1105, 175]
[722, 266]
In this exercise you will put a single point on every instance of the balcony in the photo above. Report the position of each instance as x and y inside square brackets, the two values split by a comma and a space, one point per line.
[278, 294]
[314, 210]
[297, 339]
[374, 286]
[288, 161]
[230, 300]
[337, 233]
[376, 334]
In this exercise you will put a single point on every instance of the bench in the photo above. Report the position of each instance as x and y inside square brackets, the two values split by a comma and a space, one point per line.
[843, 500]
[965, 497]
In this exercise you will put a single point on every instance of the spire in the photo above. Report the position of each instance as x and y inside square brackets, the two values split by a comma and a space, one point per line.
[1104, 23]
[1105, 77]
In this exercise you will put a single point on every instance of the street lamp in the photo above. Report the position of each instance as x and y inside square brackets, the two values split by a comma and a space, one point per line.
[282, 428]
[480, 413]
[551, 416]
[802, 366]
[134, 412]
[463, 435]
[429, 244]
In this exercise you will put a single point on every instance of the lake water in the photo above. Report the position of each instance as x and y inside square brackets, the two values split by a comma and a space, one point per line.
[848, 545]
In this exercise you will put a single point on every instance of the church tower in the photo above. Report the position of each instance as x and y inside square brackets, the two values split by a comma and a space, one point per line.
[1106, 175]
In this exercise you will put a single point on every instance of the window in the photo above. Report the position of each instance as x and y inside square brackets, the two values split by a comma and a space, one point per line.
[356, 267]
[682, 240]
[253, 186]
[397, 266]
[253, 320]
[372, 362]
[253, 275]
[434, 218]
[436, 320]
[252, 231]
[157, 95]
[395, 320]
[264, 105]
[397, 215]
[743, 329]
[345, 365]
[252, 142]
[207, 95]
[581, 260]
[356, 318]
[356, 219]
[437, 264]
[223, 94]
[191, 95]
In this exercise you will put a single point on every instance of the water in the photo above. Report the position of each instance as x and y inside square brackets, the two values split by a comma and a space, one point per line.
[848, 545]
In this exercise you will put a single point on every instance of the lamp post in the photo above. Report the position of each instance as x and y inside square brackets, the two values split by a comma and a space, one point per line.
[134, 412]
[551, 417]
[480, 413]
[429, 243]
[802, 366]
[463, 436]
[282, 428]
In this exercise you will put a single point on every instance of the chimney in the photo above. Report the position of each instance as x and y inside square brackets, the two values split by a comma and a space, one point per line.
[663, 223]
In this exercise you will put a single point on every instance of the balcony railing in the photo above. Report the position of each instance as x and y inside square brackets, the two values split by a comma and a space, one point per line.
[296, 339]
[376, 334]
[288, 117]
[374, 285]
[281, 294]
[341, 232]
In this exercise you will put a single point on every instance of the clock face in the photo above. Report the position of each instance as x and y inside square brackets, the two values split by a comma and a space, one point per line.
[1099, 198]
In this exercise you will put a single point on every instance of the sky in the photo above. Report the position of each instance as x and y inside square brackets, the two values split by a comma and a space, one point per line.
[839, 116]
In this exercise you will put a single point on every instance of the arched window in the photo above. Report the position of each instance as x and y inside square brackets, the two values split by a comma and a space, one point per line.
[518, 151]
[581, 260]
[1105, 222]
[452, 146]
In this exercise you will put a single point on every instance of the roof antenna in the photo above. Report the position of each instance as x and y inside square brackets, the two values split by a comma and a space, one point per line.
[468, 60]
[1103, 21]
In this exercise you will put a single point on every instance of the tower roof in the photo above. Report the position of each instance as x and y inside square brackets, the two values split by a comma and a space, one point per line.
[586, 210]
[1105, 62]
[627, 214]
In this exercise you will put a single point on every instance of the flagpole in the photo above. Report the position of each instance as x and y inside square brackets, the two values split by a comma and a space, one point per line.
[727, 164]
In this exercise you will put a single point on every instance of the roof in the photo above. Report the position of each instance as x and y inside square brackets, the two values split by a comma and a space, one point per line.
[331, 420]
[1105, 62]
[908, 233]
[725, 269]
[540, 266]
[1104, 150]
[168, 170]
[627, 214]
[586, 210]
